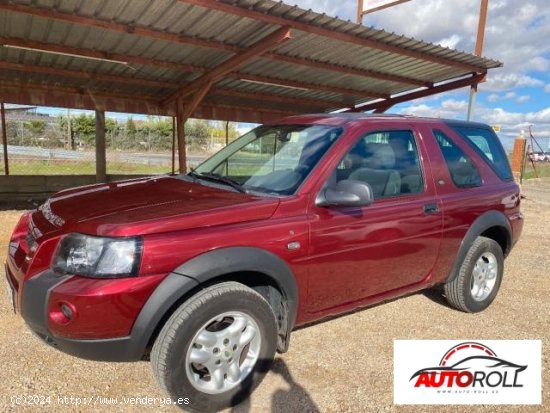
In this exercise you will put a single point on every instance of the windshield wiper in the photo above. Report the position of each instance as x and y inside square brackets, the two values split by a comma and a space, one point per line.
[210, 176]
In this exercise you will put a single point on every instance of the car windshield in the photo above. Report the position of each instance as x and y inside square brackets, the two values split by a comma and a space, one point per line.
[270, 159]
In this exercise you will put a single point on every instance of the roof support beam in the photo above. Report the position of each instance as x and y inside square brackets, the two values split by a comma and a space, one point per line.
[55, 71]
[184, 67]
[96, 54]
[309, 28]
[445, 87]
[37, 94]
[79, 93]
[319, 104]
[271, 40]
[181, 39]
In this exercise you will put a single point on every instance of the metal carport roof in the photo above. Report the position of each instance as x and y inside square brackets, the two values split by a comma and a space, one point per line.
[241, 60]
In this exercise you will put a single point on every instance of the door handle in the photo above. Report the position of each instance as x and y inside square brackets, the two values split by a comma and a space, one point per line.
[431, 209]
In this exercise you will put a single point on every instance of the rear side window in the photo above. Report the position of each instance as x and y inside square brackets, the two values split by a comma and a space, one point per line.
[463, 171]
[487, 144]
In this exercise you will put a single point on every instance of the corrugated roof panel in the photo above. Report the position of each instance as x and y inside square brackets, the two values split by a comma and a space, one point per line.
[180, 19]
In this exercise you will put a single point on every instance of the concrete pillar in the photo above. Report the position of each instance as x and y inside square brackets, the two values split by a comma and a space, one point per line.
[100, 155]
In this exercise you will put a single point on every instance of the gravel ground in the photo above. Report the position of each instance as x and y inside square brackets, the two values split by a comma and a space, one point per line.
[342, 365]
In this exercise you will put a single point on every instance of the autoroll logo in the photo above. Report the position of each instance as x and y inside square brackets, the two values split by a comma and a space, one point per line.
[468, 372]
[470, 365]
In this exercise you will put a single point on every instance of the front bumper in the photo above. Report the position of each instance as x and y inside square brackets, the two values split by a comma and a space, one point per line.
[34, 304]
[35, 297]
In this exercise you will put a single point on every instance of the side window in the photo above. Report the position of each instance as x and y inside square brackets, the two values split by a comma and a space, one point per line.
[486, 143]
[463, 171]
[388, 161]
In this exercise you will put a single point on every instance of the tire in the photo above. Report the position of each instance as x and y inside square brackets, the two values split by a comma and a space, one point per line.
[465, 291]
[210, 329]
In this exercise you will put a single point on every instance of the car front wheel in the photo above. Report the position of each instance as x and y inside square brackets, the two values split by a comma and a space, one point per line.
[216, 347]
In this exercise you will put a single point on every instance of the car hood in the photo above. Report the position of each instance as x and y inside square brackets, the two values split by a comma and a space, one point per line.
[146, 206]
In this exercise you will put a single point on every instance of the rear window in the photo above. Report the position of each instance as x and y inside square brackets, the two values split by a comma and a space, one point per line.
[462, 169]
[487, 144]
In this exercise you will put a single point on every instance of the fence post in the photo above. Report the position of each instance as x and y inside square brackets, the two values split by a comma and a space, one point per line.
[100, 155]
[5, 139]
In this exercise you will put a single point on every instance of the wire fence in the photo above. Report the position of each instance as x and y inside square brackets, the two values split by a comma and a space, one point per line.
[41, 144]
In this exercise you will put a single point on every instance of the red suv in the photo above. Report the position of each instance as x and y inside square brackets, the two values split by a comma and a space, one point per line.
[208, 273]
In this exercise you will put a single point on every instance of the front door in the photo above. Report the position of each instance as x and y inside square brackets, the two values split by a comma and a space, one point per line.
[358, 253]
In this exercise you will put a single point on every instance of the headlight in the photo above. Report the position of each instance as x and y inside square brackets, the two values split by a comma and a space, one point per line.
[98, 257]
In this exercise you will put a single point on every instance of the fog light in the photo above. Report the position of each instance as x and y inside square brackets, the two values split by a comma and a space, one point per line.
[67, 311]
[63, 313]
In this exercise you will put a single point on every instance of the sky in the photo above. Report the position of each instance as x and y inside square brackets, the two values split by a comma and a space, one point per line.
[518, 32]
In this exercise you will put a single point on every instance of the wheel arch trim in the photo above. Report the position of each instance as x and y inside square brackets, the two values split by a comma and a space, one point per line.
[220, 262]
[484, 222]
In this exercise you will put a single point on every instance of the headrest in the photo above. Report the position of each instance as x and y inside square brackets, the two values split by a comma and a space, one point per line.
[382, 156]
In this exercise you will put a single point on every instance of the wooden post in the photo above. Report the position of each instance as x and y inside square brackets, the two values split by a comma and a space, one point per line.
[226, 133]
[181, 119]
[69, 145]
[173, 145]
[100, 155]
[5, 139]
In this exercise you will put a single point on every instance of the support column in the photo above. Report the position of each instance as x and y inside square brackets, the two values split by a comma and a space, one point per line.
[472, 102]
[360, 8]
[173, 145]
[100, 155]
[5, 139]
[479, 50]
[226, 133]
[180, 120]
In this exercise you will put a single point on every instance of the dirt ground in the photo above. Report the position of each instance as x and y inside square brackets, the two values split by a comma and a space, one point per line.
[342, 365]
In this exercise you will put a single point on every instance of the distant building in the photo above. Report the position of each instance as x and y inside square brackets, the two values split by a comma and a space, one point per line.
[26, 113]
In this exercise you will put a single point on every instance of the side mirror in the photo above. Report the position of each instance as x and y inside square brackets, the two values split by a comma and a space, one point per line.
[346, 193]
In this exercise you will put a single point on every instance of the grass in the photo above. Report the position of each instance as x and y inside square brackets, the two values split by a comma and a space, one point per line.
[543, 170]
[47, 167]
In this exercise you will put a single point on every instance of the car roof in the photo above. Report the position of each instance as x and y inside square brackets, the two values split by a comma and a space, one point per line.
[340, 119]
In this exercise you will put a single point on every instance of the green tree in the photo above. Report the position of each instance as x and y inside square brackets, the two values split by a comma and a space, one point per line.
[112, 133]
[131, 129]
[35, 127]
[14, 137]
[197, 132]
[35, 130]
[83, 127]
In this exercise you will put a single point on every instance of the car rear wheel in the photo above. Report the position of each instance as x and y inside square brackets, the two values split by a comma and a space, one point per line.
[216, 347]
[476, 285]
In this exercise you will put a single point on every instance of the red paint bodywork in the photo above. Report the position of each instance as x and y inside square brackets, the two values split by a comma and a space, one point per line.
[348, 258]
